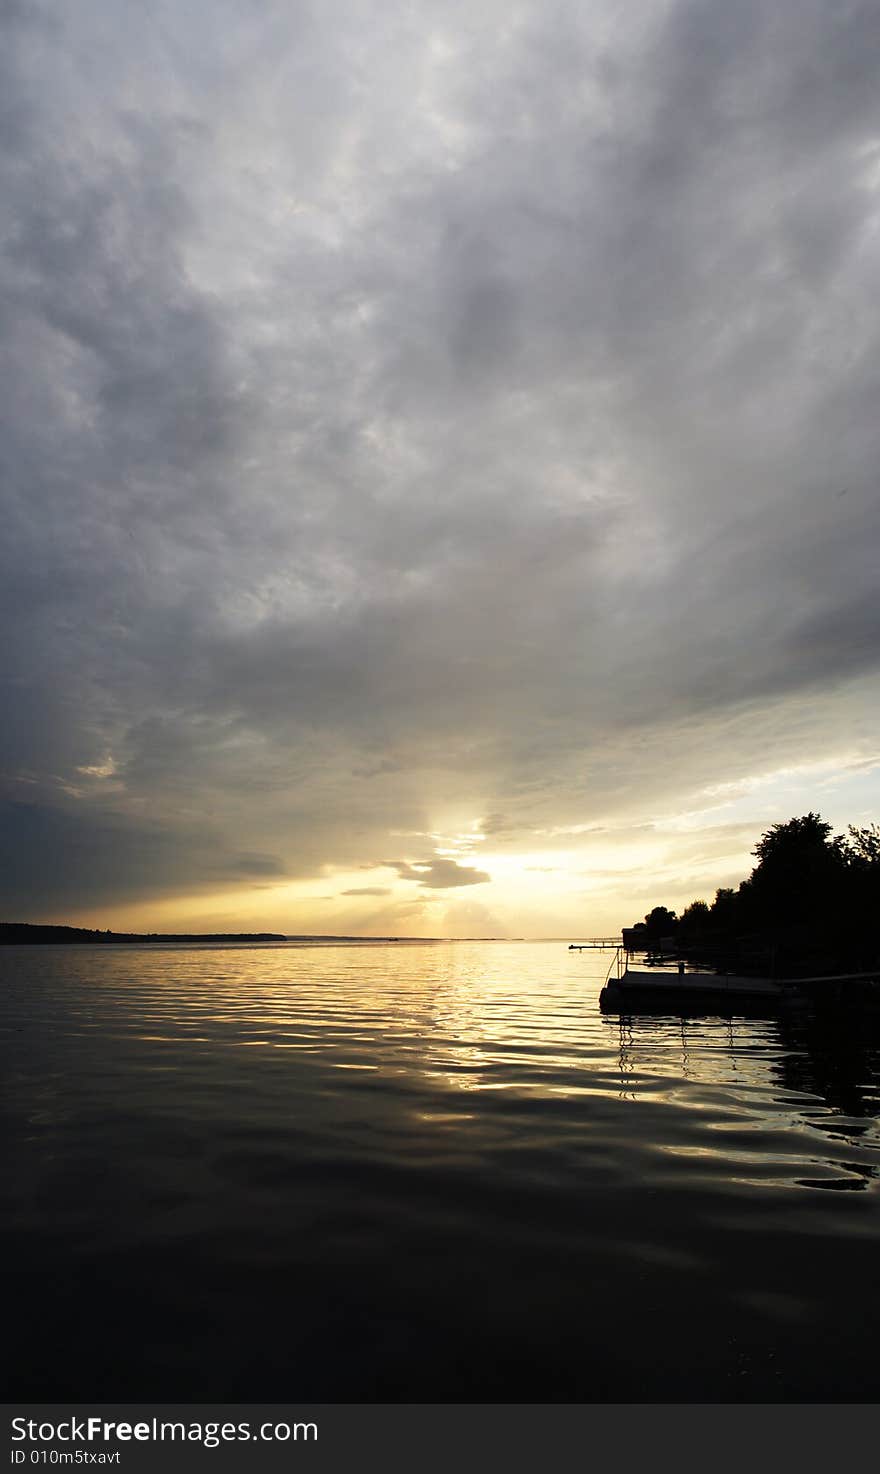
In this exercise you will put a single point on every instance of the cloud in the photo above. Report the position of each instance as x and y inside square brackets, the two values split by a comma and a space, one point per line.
[439, 874]
[368, 890]
[414, 421]
[256, 865]
[496, 826]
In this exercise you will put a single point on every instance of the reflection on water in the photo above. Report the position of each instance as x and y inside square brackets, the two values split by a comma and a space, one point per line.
[427, 1173]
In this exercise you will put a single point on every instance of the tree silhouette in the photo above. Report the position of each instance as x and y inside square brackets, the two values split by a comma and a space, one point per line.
[811, 903]
[660, 922]
[862, 847]
[694, 919]
[798, 874]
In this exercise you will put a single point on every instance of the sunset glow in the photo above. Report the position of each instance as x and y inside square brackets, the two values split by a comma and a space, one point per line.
[447, 442]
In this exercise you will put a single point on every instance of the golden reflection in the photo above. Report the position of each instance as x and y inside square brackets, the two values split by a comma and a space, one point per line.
[444, 1118]
[504, 1030]
[507, 1019]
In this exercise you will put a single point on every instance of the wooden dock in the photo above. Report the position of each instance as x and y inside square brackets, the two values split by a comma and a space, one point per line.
[662, 986]
[697, 983]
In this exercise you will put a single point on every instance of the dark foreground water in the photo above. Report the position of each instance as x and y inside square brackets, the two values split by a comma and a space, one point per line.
[426, 1173]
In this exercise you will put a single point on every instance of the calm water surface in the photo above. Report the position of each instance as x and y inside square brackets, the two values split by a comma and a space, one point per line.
[426, 1173]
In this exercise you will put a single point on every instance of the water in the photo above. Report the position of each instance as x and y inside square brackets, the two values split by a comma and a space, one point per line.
[426, 1173]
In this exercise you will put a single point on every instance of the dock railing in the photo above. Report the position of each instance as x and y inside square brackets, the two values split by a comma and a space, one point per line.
[617, 966]
[595, 944]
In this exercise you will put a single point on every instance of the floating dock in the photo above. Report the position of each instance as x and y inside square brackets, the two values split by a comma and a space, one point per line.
[663, 987]
[690, 987]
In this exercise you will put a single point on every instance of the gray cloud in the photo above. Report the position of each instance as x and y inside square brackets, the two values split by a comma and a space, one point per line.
[256, 865]
[438, 874]
[425, 412]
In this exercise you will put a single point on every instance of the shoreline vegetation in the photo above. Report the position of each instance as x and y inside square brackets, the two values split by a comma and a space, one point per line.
[810, 906]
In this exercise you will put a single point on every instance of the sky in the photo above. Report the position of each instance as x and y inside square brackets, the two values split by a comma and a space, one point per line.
[440, 453]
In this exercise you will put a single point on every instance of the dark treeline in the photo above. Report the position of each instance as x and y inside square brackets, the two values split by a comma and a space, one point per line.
[811, 905]
[23, 932]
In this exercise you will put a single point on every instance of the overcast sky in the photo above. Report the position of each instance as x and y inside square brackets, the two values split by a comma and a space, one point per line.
[440, 452]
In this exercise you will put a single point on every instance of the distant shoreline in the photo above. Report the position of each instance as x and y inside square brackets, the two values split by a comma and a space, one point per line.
[21, 933]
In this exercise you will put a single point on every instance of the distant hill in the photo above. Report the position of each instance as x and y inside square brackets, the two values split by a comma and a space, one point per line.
[19, 933]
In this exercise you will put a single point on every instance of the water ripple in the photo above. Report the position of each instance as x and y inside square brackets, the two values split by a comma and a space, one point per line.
[442, 1167]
